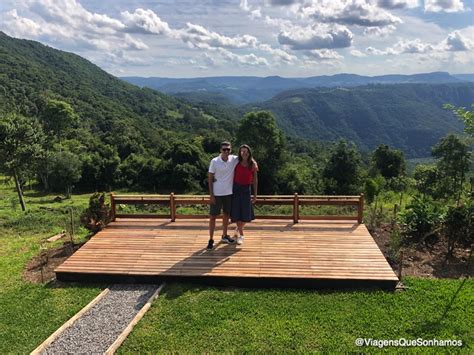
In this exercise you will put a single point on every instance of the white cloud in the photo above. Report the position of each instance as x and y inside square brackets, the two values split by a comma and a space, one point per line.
[278, 54]
[379, 31]
[456, 41]
[349, 12]
[247, 59]
[144, 21]
[316, 37]
[357, 53]
[444, 6]
[200, 37]
[398, 4]
[324, 54]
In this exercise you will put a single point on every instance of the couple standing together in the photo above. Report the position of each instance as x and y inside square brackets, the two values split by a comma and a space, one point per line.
[230, 180]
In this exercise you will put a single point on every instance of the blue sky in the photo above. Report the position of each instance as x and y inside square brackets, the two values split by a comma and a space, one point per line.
[290, 38]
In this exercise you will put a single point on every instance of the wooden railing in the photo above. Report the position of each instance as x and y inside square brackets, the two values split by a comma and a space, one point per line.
[172, 201]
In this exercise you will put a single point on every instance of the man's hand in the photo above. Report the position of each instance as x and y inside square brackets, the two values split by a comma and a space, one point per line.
[213, 199]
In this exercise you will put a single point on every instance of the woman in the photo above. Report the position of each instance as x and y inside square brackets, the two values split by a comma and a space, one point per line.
[245, 176]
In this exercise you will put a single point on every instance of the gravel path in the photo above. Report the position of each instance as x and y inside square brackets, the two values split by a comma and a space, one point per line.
[101, 325]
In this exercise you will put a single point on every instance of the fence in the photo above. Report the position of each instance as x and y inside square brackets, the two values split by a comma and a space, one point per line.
[172, 201]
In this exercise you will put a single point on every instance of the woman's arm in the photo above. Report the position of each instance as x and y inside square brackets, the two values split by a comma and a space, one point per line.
[255, 185]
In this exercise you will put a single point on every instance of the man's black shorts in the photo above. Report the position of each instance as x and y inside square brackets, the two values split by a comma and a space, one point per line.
[222, 203]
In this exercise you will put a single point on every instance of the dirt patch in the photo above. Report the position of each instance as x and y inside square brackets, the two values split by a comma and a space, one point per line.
[424, 260]
[47, 262]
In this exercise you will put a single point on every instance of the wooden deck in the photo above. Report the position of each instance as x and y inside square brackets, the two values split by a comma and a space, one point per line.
[275, 253]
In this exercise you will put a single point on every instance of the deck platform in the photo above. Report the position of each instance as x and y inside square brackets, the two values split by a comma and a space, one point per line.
[276, 253]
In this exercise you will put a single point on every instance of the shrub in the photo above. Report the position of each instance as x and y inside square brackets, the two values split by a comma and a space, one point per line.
[420, 220]
[458, 226]
[96, 217]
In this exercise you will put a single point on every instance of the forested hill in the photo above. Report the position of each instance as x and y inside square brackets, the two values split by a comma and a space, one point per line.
[31, 72]
[102, 132]
[409, 117]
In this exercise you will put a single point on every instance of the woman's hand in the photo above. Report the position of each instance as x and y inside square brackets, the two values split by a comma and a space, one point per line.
[212, 198]
[254, 199]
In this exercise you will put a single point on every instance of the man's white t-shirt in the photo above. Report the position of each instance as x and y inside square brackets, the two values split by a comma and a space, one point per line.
[223, 174]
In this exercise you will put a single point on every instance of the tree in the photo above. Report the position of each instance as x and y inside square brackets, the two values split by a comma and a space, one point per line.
[21, 143]
[426, 179]
[260, 132]
[342, 172]
[464, 115]
[389, 162]
[185, 168]
[57, 116]
[453, 163]
[65, 171]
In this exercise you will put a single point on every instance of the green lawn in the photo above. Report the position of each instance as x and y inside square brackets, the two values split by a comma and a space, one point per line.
[31, 312]
[189, 318]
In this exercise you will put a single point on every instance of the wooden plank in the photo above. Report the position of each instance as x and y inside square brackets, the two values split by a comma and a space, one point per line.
[327, 249]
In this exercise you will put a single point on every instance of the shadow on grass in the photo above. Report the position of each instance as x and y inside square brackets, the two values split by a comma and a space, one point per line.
[434, 326]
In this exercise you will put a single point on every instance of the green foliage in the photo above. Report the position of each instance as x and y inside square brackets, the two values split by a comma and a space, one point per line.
[390, 163]
[458, 226]
[420, 221]
[21, 142]
[466, 116]
[97, 215]
[299, 175]
[408, 117]
[259, 131]
[342, 173]
[426, 179]
[453, 162]
[65, 170]
[57, 116]
[373, 186]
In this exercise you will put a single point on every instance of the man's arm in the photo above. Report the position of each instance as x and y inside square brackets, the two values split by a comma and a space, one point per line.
[210, 182]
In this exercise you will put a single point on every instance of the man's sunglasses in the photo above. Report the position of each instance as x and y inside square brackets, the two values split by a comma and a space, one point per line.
[225, 149]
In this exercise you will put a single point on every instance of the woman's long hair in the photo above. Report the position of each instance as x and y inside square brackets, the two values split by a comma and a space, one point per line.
[250, 161]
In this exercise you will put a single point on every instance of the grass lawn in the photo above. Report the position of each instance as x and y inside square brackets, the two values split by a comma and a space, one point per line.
[189, 318]
[193, 319]
[32, 312]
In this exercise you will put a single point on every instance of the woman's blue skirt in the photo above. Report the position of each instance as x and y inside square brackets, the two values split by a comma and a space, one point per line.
[242, 208]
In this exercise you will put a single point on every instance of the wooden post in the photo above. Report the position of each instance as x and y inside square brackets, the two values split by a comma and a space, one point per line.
[400, 265]
[112, 207]
[172, 207]
[360, 209]
[72, 227]
[295, 208]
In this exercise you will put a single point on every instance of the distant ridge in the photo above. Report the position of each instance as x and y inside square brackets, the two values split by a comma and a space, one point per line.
[247, 89]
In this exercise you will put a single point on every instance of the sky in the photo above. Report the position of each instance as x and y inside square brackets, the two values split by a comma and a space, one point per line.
[289, 38]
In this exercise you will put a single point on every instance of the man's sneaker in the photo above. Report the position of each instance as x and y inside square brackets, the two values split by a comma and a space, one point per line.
[240, 240]
[210, 244]
[227, 239]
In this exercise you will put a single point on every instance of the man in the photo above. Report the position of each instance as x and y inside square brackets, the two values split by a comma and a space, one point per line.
[220, 181]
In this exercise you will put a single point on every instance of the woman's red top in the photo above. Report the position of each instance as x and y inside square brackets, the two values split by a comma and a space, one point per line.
[244, 175]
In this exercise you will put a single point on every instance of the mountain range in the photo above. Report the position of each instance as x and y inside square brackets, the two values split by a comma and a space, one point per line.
[247, 89]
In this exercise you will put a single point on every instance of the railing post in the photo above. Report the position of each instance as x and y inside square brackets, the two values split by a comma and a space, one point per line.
[112, 207]
[295, 208]
[360, 209]
[172, 207]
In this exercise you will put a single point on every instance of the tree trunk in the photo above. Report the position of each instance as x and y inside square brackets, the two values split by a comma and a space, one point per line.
[18, 189]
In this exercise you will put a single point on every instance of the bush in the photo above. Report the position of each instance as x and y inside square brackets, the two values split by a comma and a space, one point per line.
[96, 217]
[420, 220]
[458, 226]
